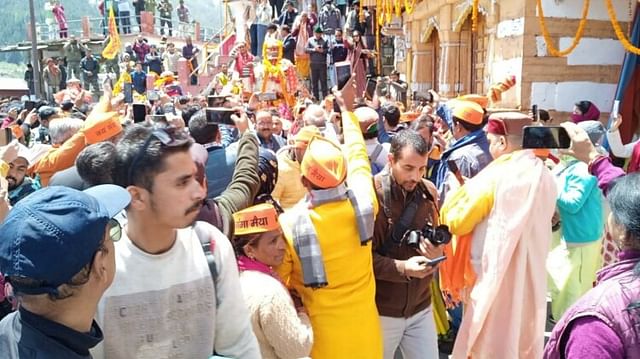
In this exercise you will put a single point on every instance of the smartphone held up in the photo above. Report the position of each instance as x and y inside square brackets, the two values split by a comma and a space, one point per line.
[545, 137]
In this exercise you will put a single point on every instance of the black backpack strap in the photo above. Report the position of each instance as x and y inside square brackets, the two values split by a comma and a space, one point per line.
[399, 229]
[208, 247]
[385, 179]
[376, 152]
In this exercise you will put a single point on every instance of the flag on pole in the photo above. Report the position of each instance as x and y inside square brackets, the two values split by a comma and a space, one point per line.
[113, 47]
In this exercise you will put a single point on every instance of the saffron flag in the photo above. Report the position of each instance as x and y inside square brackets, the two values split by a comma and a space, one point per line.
[119, 86]
[113, 47]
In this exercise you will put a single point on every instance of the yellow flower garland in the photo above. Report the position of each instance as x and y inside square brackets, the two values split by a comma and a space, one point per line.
[274, 71]
[474, 15]
[576, 40]
[409, 8]
[387, 8]
[616, 27]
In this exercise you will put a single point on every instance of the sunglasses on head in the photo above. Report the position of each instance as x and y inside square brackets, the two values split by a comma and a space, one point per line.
[115, 230]
[168, 137]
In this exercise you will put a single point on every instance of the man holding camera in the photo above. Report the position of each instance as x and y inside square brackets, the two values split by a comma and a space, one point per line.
[403, 248]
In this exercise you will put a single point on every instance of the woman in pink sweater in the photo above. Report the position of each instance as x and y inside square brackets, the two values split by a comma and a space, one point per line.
[282, 328]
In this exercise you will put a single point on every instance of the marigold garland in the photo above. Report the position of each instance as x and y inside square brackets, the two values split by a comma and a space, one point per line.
[409, 7]
[576, 40]
[388, 11]
[616, 27]
[474, 15]
[387, 8]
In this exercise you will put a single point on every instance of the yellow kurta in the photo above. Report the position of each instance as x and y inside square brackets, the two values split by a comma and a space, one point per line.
[289, 189]
[343, 314]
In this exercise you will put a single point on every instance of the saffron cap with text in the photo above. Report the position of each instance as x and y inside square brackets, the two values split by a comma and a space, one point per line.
[323, 164]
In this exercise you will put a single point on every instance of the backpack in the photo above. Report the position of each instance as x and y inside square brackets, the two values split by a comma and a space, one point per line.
[208, 247]
[375, 167]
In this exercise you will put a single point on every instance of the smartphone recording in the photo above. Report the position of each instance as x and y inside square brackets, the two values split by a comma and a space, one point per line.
[220, 116]
[545, 137]
[343, 73]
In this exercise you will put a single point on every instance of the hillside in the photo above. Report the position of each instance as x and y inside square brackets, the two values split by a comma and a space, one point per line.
[16, 18]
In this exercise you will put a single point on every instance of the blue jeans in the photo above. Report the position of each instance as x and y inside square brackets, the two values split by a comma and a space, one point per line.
[261, 32]
[253, 32]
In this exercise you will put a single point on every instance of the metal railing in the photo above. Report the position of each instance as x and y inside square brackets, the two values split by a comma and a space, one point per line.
[99, 27]
[217, 38]
[50, 31]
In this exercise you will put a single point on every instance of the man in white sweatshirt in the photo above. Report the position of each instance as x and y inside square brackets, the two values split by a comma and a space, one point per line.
[166, 301]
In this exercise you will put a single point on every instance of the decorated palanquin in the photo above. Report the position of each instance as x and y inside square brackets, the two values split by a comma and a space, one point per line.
[276, 75]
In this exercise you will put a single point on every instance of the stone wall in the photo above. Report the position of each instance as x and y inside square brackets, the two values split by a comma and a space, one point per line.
[590, 72]
[514, 45]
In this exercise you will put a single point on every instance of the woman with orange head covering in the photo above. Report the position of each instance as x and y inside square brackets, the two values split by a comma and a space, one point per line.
[282, 327]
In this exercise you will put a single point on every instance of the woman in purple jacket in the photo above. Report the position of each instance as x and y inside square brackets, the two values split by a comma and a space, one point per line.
[603, 323]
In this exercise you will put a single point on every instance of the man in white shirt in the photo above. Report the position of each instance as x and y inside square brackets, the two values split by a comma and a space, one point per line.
[124, 15]
[167, 300]
[170, 58]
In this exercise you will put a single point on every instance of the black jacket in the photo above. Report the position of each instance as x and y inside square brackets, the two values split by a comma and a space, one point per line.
[25, 335]
[289, 48]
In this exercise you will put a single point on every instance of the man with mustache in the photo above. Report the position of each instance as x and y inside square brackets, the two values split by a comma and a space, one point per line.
[403, 278]
[19, 184]
[165, 299]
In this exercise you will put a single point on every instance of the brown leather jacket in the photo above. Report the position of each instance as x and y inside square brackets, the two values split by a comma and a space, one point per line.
[397, 295]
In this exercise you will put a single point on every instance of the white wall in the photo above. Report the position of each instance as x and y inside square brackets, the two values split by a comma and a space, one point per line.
[561, 96]
[500, 69]
[590, 51]
[572, 9]
[508, 28]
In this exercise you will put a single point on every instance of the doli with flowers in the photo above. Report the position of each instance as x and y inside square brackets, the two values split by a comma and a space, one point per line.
[276, 75]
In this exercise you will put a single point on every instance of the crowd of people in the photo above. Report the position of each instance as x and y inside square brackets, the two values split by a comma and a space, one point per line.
[271, 217]
[76, 74]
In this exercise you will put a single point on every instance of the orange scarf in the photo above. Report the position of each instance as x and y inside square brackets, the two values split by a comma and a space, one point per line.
[457, 276]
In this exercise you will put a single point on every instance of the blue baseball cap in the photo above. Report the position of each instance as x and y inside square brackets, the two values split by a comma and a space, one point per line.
[50, 235]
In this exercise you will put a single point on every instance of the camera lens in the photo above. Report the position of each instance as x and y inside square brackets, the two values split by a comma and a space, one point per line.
[413, 239]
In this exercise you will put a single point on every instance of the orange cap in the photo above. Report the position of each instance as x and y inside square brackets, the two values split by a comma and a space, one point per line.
[304, 136]
[102, 127]
[468, 111]
[408, 116]
[324, 164]
[483, 101]
[542, 152]
[257, 219]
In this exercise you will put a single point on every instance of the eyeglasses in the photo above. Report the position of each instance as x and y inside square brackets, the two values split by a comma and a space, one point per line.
[169, 137]
[115, 230]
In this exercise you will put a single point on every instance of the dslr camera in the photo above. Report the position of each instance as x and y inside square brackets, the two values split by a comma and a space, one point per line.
[437, 235]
